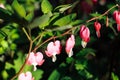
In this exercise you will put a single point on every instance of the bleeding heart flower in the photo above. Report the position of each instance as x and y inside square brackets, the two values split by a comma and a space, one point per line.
[2, 6]
[85, 35]
[35, 59]
[53, 48]
[116, 16]
[25, 76]
[69, 45]
[97, 27]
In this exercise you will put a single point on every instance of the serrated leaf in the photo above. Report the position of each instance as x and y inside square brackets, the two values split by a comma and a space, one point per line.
[46, 6]
[54, 76]
[41, 21]
[65, 20]
[19, 8]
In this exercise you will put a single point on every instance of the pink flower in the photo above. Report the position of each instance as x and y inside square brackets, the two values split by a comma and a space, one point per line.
[97, 27]
[2, 6]
[116, 16]
[53, 48]
[85, 35]
[25, 76]
[35, 59]
[69, 45]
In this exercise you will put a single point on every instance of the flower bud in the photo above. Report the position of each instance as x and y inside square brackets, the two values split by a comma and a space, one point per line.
[85, 35]
[116, 16]
[69, 45]
[97, 27]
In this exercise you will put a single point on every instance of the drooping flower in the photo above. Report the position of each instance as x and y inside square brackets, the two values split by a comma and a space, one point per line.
[69, 45]
[53, 48]
[35, 59]
[25, 76]
[85, 35]
[116, 16]
[97, 27]
[2, 6]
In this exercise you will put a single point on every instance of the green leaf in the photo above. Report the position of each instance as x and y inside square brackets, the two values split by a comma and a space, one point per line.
[46, 6]
[63, 8]
[114, 77]
[79, 66]
[86, 51]
[17, 62]
[69, 60]
[29, 16]
[76, 22]
[2, 51]
[37, 74]
[41, 21]
[2, 35]
[65, 20]
[19, 8]
[95, 14]
[4, 44]
[54, 76]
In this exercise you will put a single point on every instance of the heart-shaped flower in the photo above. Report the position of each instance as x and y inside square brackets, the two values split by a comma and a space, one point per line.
[53, 48]
[35, 59]
[25, 76]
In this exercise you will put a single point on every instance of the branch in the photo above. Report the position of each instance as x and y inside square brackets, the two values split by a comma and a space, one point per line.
[94, 18]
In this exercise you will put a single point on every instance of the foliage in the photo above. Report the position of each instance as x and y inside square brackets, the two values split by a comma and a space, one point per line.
[29, 25]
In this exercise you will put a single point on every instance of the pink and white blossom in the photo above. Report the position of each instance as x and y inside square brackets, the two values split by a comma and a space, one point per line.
[53, 49]
[35, 59]
[85, 35]
[97, 27]
[25, 76]
[116, 16]
[69, 45]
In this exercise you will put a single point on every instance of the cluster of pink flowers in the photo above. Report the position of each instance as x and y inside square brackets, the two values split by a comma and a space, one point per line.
[54, 48]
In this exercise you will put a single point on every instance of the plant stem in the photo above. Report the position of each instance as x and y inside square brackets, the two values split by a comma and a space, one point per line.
[26, 34]
[94, 18]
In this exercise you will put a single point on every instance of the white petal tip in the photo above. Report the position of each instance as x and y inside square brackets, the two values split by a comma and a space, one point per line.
[54, 58]
[84, 44]
[70, 54]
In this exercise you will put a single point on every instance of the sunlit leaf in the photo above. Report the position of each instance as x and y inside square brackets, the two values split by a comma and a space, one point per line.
[46, 6]
[29, 16]
[41, 21]
[114, 77]
[65, 20]
[63, 8]
[19, 8]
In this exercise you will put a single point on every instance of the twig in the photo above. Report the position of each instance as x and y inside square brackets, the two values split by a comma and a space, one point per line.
[94, 18]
